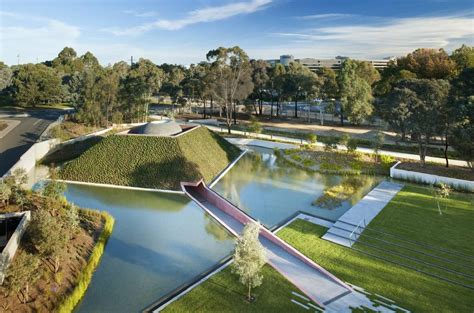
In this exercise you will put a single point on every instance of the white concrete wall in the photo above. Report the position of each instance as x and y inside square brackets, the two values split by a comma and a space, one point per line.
[14, 241]
[418, 177]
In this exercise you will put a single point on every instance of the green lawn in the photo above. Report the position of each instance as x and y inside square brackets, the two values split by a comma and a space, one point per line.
[412, 213]
[223, 293]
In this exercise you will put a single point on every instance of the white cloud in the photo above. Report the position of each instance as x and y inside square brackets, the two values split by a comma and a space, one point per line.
[140, 14]
[324, 16]
[208, 14]
[34, 38]
[394, 37]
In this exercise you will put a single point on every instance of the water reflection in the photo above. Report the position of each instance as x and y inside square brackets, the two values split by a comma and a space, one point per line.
[159, 242]
[271, 191]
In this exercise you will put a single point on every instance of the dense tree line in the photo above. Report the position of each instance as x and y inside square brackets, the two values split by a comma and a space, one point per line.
[425, 95]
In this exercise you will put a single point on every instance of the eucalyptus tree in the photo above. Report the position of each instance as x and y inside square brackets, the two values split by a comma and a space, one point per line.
[232, 78]
[276, 84]
[260, 80]
[355, 92]
[300, 81]
[428, 64]
[463, 57]
[6, 75]
[424, 102]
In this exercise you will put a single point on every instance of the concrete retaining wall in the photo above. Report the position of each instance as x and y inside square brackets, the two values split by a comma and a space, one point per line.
[9, 251]
[431, 179]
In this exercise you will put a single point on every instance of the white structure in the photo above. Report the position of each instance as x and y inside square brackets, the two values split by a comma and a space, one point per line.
[431, 179]
[315, 64]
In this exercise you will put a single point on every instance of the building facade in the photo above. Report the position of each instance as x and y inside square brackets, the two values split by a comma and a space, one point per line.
[315, 64]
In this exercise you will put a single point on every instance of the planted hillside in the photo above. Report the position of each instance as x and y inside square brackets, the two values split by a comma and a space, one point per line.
[153, 162]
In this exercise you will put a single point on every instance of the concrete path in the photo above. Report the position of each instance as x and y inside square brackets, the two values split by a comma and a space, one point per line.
[349, 226]
[295, 141]
[10, 125]
[315, 282]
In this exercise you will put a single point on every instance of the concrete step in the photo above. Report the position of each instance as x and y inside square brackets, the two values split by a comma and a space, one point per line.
[337, 239]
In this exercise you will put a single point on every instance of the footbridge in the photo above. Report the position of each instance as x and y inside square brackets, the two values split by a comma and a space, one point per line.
[317, 283]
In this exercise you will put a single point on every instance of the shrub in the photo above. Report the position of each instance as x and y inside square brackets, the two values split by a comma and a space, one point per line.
[330, 143]
[312, 138]
[351, 145]
[255, 125]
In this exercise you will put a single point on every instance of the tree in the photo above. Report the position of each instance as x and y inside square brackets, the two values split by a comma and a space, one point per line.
[249, 258]
[260, 80]
[232, 81]
[428, 63]
[6, 75]
[67, 61]
[48, 236]
[255, 125]
[441, 194]
[35, 84]
[276, 84]
[355, 93]
[377, 143]
[422, 101]
[5, 192]
[22, 273]
[463, 57]
[461, 103]
[300, 81]
[352, 145]
[329, 87]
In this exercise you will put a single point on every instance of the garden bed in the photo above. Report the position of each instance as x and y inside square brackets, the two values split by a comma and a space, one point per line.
[69, 130]
[338, 162]
[3, 125]
[457, 172]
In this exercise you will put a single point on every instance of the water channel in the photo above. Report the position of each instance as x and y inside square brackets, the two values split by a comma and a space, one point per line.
[161, 241]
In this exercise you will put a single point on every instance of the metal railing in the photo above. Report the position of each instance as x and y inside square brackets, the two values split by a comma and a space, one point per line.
[360, 226]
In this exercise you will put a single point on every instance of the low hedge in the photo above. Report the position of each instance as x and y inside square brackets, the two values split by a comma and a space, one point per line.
[84, 279]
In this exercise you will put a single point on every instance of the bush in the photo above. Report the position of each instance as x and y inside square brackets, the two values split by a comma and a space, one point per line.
[330, 143]
[312, 138]
[351, 145]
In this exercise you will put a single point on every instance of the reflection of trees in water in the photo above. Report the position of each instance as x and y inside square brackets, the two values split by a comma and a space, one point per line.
[113, 197]
[214, 229]
[351, 189]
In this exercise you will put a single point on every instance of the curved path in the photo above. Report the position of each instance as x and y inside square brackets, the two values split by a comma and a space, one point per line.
[317, 283]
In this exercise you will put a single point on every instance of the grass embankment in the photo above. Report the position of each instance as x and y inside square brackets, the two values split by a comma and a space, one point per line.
[70, 151]
[224, 293]
[80, 286]
[438, 169]
[153, 162]
[338, 162]
[411, 214]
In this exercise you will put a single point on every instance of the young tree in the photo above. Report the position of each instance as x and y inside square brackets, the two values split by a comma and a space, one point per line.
[441, 194]
[249, 258]
[377, 143]
[5, 192]
[255, 125]
[22, 273]
[232, 80]
[352, 145]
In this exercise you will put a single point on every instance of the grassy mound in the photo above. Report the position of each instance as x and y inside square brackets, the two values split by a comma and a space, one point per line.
[153, 162]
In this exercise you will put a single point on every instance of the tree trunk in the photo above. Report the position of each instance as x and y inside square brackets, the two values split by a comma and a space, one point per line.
[204, 110]
[341, 114]
[296, 106]
[422, 152]
[249, 295]
[212, 107]
[446, 145]
[235, 113]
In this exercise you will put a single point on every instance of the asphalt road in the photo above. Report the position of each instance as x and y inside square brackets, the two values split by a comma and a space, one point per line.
[23, 136]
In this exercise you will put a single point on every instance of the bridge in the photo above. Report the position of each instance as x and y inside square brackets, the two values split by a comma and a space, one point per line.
[317, 283]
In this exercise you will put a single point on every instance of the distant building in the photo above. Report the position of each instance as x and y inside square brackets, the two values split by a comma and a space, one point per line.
[316, 64]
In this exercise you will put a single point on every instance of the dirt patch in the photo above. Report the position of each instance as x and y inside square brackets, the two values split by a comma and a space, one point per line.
[434, 169]
[69, 129]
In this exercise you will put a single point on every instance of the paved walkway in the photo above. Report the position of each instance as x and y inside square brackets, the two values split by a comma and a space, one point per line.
[349, 226]
[400, 155]
[315, 282]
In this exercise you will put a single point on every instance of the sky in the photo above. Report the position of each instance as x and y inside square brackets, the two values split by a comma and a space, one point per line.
[183, 31]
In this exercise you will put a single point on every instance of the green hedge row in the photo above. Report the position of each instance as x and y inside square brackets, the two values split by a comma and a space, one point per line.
[153, 162]
[70, 301]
